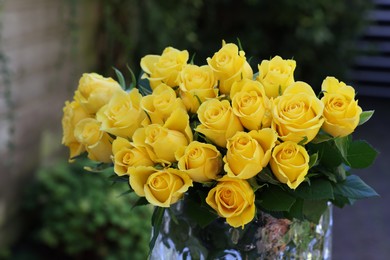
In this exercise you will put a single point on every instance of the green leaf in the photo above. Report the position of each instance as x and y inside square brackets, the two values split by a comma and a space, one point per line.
[329, 174]
[296, 211]
[321, 137]
[255, 75]
[172, 216]
[365, 116]
[199, 101]
[255, 185]
[313, 209]
[341, 201]
[329, 155]
[192, 58]
[340, 172]
[116, 178]
[125, 193]
[199, 212]
[239, 44]
[100, 167]
[144, 86]
[313, 160]
[321, 93]
[120, 77]
[140, 202]
[267, 176]
[343, 143]
[249, 60]
[157, 218]
[81, 156]
[274, 198]
[361, 154]
[303, 141]
[147, 114]
[354, 188]
[317, 190]
[133, 79]
[335, 174]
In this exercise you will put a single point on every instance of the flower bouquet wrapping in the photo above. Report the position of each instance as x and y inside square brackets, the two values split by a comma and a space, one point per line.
[230, 142]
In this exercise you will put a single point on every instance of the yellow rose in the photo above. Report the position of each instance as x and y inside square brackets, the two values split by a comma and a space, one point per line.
[72, 114]
[342, 112]
[196, 85]
[94, 91]
[297, 114]
[180, 121]
[276, 75]
[164, 68]
[250, 104]
[218, 122]
[96, 142]
[248, 153]
[234, 200]
[127, 154]
[229, 65]
[161, 188]
[123, 114]
[163, 141]
[168, 111]
[201, 161]
[290, 163]
[161, 104]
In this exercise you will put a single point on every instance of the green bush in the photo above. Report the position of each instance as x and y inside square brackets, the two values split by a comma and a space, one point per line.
[80, 214]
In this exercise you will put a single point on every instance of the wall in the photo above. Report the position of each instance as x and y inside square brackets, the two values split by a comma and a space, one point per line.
[45, 46]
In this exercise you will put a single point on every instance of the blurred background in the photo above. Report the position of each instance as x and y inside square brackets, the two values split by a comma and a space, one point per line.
[50, 209]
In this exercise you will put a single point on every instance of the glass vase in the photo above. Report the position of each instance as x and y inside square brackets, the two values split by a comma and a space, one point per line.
[266, 237]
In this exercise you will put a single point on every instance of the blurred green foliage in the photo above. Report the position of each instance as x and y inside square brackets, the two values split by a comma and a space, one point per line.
[130, 29]
[81, 215]
[318, 34]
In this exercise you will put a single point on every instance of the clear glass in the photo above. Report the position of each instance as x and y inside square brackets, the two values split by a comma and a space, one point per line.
[266, 237]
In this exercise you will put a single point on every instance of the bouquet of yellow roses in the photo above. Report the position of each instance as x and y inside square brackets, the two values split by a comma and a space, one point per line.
[235, 142]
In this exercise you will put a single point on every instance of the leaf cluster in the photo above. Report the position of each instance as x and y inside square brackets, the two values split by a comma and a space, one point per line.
[79, 214]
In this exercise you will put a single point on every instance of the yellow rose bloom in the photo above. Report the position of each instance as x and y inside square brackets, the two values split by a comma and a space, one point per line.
[72, 114]
[163, 142]
[290, 163]
[250, 104]
[196, 85]
[164, 68]
[96, 142]
[297, 114]
[94, 91]
[229, 65]
[161, 104]
[201, 161]
[234, 200]
[248, 153]
[342, 112]
[218, 122]
[180, 121]
[276, 75]
[161, 188]
[126, 154]
[123, 114]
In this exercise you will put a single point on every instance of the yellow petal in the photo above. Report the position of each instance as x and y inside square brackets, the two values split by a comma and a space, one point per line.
[119, 143]
[138, 178]
[148, 63]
